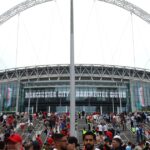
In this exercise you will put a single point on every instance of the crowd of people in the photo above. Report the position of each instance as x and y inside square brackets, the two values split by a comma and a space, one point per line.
[101, 132]
[108, 129]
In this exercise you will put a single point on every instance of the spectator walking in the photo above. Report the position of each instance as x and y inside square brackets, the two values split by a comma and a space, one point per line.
[89, 139]
[60, 141]
[39, 140]
[14, 142]
[117, 143]
[72, 143]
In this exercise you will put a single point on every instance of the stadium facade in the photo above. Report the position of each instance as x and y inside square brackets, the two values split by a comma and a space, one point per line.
[98, 88]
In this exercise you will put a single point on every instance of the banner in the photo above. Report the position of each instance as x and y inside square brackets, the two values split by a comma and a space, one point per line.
[141, 96]
[54, 94]
[8, 97]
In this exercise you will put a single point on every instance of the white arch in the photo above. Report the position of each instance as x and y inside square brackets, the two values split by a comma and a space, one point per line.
[131, 8]
[30, 3]
[19, 8]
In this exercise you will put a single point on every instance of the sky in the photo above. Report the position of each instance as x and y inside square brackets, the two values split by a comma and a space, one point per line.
[104, 34]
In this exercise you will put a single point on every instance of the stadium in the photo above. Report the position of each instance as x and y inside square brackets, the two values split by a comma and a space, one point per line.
[98, 98]
[98, 88]
[104, 88]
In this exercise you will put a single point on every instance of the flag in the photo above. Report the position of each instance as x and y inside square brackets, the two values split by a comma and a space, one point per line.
[141, 96]
[9, 97]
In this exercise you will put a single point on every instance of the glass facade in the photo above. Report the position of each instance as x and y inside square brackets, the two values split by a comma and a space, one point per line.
[89, 97]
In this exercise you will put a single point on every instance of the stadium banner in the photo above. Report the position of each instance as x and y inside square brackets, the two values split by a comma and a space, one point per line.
[141, 96]
[54, 94]
[8, 98]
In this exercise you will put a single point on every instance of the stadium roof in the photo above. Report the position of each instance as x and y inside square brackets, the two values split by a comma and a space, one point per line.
[82, 72]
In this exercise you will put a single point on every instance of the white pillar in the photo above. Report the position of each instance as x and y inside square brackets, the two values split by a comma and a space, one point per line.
[49, 109]
[37, 100]
[17, 99]
[32, 109]
[101, 110]
[119, 96]
[120, 105]
[29, 106]
[118, 110]
[113, 105]
[83, 108]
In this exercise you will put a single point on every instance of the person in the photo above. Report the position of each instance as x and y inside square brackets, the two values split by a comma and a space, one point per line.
[106, 145]
[72, 143]
[147, 146]
[140, 146]
[100, 138]
[60, 141]
[128, 147]
[2, 143]
[94, 130]
[89, 139]
[79, 114]
[83, 131]
[83, 114]
[50, 143]
[14, 142]
[35, 146]
[116, 143]
[39, 140]
[109, 134]
[27, 145]
[100, 128]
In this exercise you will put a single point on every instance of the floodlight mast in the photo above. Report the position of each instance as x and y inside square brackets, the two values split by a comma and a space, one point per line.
[72, 73]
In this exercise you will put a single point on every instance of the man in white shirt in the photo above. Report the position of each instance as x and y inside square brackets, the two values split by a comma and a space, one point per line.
[100, 128]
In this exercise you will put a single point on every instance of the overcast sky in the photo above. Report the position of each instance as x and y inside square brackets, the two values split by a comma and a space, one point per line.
[103, 35]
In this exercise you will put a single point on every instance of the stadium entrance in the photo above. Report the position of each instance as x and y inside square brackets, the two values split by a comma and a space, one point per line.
[87, 99]
[90, 96]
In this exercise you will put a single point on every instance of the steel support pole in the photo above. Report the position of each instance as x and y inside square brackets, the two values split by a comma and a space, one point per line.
[72, 73]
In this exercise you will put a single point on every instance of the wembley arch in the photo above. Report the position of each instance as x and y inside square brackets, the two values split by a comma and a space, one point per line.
[28, 4]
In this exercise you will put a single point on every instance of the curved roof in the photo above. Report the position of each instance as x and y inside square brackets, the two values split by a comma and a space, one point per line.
[82, 72]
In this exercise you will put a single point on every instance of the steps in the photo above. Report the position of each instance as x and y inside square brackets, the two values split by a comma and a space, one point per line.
[81, 125]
